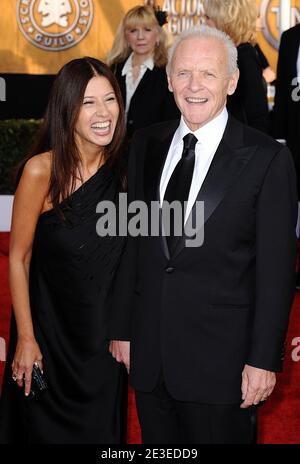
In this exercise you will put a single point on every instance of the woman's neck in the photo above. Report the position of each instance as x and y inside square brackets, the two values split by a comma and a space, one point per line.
[137, 60]
[90, 161]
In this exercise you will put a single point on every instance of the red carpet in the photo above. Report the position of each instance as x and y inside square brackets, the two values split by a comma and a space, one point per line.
[279, 418]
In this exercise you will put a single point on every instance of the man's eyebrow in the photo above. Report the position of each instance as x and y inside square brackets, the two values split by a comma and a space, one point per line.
[206, 68]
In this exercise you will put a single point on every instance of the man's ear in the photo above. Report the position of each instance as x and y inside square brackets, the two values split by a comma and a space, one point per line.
[169, 83]
[233, 81]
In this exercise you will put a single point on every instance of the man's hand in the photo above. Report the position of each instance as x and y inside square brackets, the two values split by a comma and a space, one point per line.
[257, 385]
[120, 350]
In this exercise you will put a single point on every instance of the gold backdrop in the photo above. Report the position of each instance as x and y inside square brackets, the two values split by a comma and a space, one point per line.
[37, 40]
[19, 55]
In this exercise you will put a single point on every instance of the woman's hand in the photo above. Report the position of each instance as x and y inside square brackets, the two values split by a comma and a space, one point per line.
[27, 353]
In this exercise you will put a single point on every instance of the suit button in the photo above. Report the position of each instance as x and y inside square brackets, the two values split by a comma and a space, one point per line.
[169, 270]
[130, 121]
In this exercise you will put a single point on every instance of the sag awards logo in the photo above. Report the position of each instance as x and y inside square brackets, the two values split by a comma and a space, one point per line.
[183, 14]
[278, 16]
[54, 25]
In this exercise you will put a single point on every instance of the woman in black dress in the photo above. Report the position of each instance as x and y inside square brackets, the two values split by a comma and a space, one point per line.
[138, 59]
[238, 19]
[61, 271]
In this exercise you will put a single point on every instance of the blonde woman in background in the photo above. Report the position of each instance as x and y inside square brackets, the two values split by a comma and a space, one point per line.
[138, 59]
[268, 73]
[237, 18]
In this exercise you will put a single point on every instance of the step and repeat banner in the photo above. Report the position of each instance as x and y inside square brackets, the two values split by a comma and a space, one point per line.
[39, 36]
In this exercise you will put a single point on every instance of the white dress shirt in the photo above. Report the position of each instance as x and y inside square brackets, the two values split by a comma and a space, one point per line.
[131, 85]
[209, 138]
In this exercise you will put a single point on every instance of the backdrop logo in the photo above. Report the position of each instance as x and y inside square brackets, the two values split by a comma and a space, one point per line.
[54, 25]
[277, 17]
[183, 14]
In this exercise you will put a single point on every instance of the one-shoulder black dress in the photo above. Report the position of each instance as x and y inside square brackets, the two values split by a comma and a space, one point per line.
[71, 275]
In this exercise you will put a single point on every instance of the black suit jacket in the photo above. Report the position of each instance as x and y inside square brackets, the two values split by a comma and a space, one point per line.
[286, 114]
[249, 102]
[152, 101]
[202, 314]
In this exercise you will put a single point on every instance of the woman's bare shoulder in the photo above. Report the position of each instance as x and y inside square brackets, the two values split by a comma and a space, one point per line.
[38, 167]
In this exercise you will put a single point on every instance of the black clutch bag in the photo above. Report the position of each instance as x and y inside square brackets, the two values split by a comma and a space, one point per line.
[38, 382]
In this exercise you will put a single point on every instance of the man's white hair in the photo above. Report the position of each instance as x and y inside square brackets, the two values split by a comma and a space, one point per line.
[203, 32]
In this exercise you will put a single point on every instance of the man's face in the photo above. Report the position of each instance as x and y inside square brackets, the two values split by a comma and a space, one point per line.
[200, 81]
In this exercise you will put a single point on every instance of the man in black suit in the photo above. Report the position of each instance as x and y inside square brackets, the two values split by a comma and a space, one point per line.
[286, 114]
[206, 324]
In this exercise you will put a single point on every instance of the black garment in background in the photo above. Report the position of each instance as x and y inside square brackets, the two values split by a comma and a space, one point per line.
[286, 113]
[26, 95]
[262, 57]
[152, 102]
[71, 274]
[249, 102]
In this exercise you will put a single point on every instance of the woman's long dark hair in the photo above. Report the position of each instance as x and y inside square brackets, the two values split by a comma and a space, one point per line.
[57, 133]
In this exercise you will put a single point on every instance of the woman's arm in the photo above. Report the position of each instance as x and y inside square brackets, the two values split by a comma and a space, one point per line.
[29, 202]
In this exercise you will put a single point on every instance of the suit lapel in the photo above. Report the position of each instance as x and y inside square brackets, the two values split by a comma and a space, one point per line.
[229, 161]
[141, 88]
[122, 85]
[117, 70]
[156, 154]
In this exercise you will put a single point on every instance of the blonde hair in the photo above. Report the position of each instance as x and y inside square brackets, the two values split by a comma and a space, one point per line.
[138, 15]
[237, 18]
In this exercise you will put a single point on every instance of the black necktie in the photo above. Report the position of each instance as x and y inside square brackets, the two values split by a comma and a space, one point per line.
[178, 187]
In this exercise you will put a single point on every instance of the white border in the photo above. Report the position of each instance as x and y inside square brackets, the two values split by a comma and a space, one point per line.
[6, 203]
